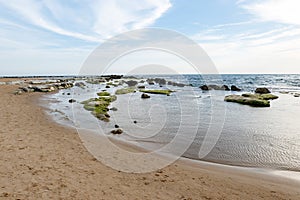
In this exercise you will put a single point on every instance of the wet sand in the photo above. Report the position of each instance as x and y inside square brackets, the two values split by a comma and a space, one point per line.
[43, 160]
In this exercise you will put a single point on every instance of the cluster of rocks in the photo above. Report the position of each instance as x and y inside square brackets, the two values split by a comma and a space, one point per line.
[103, 79]
[261, 98]
[178, 84]
[220, 87]
[161, 81]
[44, 87]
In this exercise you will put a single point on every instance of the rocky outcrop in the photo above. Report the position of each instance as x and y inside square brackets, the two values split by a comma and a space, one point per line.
[262, 90]
[247, 101]
[255, 100]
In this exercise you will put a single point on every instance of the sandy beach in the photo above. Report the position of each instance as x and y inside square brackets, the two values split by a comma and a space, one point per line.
[43, 160]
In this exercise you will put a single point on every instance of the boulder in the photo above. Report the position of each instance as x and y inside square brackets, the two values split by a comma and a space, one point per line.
[72, 101]
[204, 87]
[225, 87]
[262, 90]
[117, 131]
[234, 88]
[145, 96]
[141, 87]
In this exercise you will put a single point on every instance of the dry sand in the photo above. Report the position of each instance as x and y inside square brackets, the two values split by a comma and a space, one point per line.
[43, 160]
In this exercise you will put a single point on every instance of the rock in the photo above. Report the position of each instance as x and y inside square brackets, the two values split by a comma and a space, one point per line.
[80, 84]
[160, 81]
[107, 86]
[180, 84]
[151, 83]
[72, 101]
[262, 91]
[117, 131]
[107, 115]
[134, 121]
[141, 87]
[68, 93]
[116, 126]
[234, 88]
[251, 101]
[204, 87]
[101, 117]
[18, 92]
[225, 87]
[131, 83]
[145, 96]
[113, 109]
[296, 95]
[261, 96]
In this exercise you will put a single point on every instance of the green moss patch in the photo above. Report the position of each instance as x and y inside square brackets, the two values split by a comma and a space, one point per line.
[99, 106]
[261, 96]
[251, 101]
[124, 91]
[164, 92]
[103, 93]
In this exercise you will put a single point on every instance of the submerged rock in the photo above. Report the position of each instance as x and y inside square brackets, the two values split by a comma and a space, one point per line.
[262, 90]
[113, 109]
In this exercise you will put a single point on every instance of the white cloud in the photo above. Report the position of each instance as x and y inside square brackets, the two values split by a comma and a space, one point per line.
[282, 11]
[91, 22]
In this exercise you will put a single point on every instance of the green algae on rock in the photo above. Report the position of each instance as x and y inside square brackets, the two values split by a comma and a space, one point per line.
[251, 101]
[99, 106]
[164, 92]
[261, 96]
[124, 91]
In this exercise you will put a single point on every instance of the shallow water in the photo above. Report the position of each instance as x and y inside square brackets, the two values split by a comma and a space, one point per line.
[254, 137]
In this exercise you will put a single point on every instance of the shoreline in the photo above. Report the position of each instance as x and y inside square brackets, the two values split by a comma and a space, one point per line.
[43, 159]
[132, 145]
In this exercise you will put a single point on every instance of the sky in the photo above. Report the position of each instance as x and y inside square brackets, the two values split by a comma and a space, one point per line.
[53, 37]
